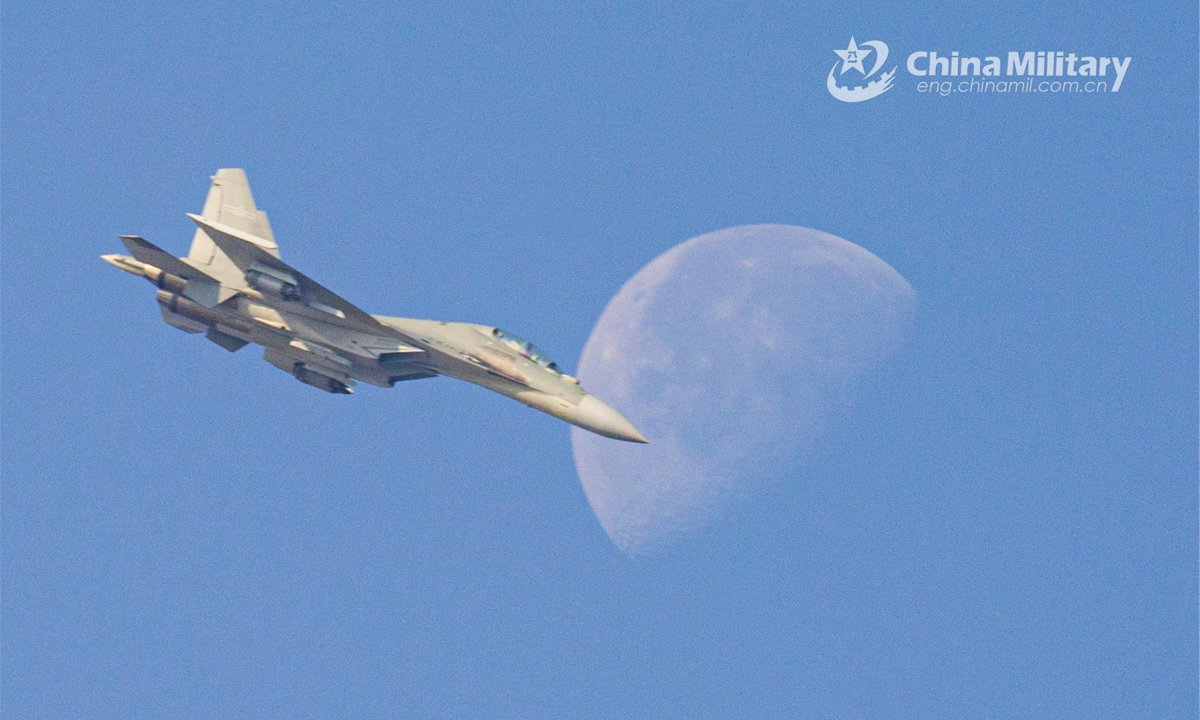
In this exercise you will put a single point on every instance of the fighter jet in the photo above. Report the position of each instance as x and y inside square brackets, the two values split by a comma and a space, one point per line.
[234, 288]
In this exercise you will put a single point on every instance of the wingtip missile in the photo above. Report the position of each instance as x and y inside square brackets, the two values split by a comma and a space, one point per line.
[155, 275]
[126, 263]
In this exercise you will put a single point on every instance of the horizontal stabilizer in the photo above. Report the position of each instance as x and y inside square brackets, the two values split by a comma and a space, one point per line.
[145, 251]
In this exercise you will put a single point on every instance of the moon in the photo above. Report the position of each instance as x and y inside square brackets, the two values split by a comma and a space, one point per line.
[730, 352]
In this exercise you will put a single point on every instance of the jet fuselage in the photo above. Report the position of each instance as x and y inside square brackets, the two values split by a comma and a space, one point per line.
[234, 288]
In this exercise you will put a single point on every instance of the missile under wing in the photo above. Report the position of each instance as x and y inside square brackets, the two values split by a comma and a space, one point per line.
[234, 287]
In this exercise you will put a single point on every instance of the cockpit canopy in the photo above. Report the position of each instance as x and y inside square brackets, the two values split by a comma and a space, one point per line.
[527, 349]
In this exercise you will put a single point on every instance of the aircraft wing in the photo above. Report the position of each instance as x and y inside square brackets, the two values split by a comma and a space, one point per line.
[252, 253]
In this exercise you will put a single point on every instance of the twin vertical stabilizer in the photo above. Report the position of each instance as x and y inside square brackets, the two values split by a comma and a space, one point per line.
[230, 203]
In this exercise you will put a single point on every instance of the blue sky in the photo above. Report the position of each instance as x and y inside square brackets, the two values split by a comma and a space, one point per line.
[1004, 526]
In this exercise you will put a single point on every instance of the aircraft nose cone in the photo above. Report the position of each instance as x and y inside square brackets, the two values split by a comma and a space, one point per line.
[593, 414]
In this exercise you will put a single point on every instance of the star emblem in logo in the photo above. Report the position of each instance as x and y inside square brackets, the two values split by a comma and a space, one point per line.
[852, 57]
